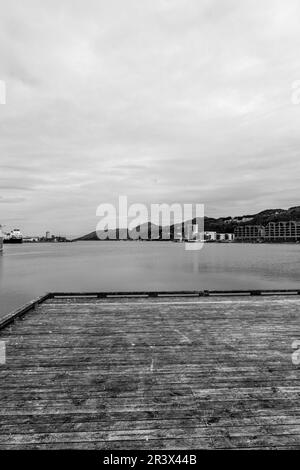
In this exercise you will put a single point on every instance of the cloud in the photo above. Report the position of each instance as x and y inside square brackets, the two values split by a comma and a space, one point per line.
[11, 200]
[163, 101]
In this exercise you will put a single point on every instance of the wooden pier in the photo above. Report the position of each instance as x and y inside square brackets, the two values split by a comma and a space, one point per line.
[172, 370]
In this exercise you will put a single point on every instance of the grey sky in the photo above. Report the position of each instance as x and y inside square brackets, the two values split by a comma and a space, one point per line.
[161, 100]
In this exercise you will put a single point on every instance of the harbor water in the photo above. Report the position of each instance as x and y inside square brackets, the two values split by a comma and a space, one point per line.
[29, 270]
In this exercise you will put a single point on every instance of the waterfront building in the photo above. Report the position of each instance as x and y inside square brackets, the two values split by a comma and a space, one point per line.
[221, 237]
[280, 231]
[229, 237]
[283, 231]
[210, 236]
[30, 239]
[250, 233]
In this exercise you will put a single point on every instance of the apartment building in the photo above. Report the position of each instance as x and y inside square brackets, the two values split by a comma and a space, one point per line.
[274, 231]
[249, 233]
[283, 231]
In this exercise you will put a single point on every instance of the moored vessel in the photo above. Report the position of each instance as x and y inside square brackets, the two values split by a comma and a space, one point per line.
[1, 240]
[15, 236]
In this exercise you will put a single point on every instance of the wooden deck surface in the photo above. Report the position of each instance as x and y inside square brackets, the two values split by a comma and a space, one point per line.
[165, 373]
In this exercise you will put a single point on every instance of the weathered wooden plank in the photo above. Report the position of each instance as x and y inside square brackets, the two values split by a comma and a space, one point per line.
[163, 373]
[124, 421]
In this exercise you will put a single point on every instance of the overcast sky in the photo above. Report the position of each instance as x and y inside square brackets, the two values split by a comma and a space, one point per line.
[160, 100]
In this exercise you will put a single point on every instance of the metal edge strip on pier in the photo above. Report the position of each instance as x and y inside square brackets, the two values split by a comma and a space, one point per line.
[204, 293]
[11, 317]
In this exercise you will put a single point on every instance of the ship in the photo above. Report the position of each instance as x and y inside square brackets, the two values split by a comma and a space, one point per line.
[1, 240]
[15, 236]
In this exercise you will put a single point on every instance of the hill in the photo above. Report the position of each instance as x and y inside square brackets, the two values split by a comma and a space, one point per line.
[221, 225]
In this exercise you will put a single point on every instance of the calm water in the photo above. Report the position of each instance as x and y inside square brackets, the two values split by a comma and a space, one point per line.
[27, 271]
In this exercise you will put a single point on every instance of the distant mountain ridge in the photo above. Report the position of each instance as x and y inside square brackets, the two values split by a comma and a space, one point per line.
[221, 224]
